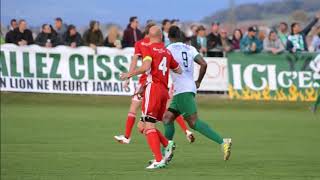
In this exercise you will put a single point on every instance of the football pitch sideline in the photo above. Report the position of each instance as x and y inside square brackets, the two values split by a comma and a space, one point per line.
[70, 137]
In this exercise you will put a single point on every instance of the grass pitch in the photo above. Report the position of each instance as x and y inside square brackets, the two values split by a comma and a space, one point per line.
[65, 137]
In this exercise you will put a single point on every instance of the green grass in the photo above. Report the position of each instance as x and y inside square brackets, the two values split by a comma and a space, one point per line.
[65, 137]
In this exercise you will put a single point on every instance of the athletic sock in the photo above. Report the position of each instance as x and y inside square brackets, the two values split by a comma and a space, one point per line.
[205, 130]
[182, 123]
[163, 140]
[154, 143]
[317, 102]
[169, 130]
[129, 124]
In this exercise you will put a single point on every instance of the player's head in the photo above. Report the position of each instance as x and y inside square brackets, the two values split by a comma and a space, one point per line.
[155, 34]
[147, 28]
[175, 34]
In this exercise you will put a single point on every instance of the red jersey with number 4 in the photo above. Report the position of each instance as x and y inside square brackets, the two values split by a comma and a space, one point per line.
[162, 62]
[139, 47]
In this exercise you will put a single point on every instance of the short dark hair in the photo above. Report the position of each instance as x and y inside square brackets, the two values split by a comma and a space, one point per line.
[13, 20]
[132, 18]
[284, 23]
[174, 32]
[44, 25]
[292, 26]
[165, 21]
[58, 19]
[174, 20]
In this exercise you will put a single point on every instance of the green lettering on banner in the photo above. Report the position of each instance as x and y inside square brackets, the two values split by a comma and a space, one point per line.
[119, 66]
[3, 65]
[41, 65]
[72, 66]
[54, 68]
[90, 67]
[13, 65]
[284, 77]
[26, 65]
[102, 61]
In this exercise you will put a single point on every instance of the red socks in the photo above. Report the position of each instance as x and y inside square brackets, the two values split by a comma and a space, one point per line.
[163, 139]
[129, 125]
[181, 123]
[154, 143]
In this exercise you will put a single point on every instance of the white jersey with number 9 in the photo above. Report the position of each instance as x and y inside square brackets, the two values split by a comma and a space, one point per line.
[184, 55]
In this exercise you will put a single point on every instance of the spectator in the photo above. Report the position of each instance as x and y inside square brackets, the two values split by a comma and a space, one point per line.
[46, 38]
[283, 33]
[113, 38]
[22, 35]
[200, 40]
[297, 39]
[225, 41]
[72, 38]
[93, 36]
[10, 34]
[194, 29]
[13, 24]
[214, 39]
[60, 28]
[315, 44]
[132, 34]
[250, 43]
[165, 30]
[236, 38]
[273, 44]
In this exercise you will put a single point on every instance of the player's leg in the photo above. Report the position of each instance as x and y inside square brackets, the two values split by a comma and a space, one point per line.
[131, 118]
[151, 106]
[316, 104]
[187, 106]
[180, 120]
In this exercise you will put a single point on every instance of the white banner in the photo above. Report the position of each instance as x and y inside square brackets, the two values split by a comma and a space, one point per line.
[216, 78]
[81, 70]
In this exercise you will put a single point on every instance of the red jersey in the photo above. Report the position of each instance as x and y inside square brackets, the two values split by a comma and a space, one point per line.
[162, 62]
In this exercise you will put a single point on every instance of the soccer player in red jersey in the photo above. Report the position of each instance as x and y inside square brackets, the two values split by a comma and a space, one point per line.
[136, 99]
[157, 61]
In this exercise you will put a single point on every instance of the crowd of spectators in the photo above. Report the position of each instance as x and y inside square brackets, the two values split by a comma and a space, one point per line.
[212, 41]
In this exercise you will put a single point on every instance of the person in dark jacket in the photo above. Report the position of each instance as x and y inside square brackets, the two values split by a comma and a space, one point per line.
[21, 35]
[200, 40]
[132, 34]
[46, 38]
[72, 38]
[297, 40]
[10, 34]
[214, 39]
[93, 36]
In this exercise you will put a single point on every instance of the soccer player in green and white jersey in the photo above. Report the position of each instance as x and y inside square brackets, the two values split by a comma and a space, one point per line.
[315, 66]
[185, 88]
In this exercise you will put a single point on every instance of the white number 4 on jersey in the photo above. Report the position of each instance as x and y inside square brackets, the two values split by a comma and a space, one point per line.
[163, 66]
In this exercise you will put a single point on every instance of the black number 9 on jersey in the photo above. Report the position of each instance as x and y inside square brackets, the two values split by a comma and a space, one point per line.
[185, 59]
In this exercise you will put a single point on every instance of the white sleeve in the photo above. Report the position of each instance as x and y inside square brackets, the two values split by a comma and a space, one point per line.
[194, 52]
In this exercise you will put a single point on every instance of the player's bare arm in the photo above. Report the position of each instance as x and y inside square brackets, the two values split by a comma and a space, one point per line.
[203, 69]
[145, 67]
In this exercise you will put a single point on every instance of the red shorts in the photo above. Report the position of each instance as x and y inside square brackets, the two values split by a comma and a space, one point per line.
[154, 101]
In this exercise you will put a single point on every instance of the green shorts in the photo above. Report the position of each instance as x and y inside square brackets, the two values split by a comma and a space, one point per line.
[183, 104]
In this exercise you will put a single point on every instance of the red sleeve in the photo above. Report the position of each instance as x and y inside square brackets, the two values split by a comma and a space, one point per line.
[173, 63]
[146, 54]
[137, 49]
